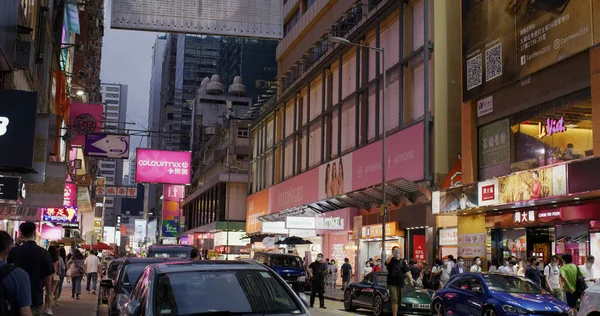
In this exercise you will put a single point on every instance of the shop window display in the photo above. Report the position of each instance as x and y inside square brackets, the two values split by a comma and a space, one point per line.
[573, 239]
[553, 133]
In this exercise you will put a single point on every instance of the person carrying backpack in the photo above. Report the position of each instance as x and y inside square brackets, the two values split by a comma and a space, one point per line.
[15, 288]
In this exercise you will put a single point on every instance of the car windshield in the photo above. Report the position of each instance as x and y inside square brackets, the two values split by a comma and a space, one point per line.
[113, 269]
[169, 253]
[132, 273]
[240, 291]
[286, 262]
[511, 284]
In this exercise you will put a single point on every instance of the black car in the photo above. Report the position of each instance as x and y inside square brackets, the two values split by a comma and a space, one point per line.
[212, 287]
[372, 293]
[129, 271]
[110, 273]
[170, 251]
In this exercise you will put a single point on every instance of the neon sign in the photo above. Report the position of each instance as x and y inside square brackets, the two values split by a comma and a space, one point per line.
[552, 127]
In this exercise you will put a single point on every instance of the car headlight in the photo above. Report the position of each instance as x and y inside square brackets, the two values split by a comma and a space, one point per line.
[514, 310]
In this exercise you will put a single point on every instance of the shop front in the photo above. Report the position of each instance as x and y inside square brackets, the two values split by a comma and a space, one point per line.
[370, 243]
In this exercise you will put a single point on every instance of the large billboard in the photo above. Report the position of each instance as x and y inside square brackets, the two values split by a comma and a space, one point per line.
[163, 166]
[238, 18]
[171, 212]
[506, 40]
[17, 128]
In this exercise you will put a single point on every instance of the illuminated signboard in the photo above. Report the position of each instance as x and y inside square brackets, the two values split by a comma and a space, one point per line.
[552, 127]
[61, 215]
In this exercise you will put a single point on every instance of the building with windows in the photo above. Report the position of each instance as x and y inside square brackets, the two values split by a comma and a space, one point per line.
[530, 132]
[317, 149]
[114, 97]
[158, 57]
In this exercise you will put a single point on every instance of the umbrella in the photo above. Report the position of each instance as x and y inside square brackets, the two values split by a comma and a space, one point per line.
[98, 246]
[293, 240]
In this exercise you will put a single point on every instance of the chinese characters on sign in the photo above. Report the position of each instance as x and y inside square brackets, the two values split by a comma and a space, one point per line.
[494, 142]
[125, 192]
[524, 217]
[448, 236]
[122, 191]
[471, 238]
[132, 192]
[60, 215]
[111, 191]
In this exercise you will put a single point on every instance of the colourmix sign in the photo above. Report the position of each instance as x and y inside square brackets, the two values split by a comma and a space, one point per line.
[162, 166]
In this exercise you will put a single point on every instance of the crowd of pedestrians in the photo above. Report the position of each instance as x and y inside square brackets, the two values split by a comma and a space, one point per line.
[32, 277]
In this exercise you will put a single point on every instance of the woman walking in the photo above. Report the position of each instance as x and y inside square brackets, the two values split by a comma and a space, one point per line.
[75, 272]
[53, 250]
[333, 274]
[62, 254]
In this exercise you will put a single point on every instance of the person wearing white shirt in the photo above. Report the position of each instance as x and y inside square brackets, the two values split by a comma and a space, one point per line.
[92, 269]
[447, 270]
[477, 266]
[554, 278]
[367, 269]
[511, 268]
[588, 271]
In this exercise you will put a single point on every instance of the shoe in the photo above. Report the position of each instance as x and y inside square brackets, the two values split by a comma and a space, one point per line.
[322, 307]
[49, 312]
[312, 306]
[88, 292]
[72, 296]
[94, 292]
[77, 297]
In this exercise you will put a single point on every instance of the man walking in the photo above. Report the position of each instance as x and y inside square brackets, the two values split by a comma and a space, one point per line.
[14, 281]
[36, 261]
[397, 272]
[316, 271]
[92, 269]
[346, 273]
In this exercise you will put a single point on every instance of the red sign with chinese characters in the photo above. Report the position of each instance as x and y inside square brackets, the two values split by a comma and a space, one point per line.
[488, 192]
[132, 192]
[419, 247]
[111, 191]
[524, 217]
[121, 191]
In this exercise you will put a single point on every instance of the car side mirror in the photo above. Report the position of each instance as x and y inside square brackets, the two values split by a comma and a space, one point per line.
[108, 283]
[304, 299]
[133, 308]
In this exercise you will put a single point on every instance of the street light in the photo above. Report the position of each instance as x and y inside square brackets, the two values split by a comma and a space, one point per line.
[80, 92]
[345, 41]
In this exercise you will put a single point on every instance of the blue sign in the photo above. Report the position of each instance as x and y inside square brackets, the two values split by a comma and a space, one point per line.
[107, 146]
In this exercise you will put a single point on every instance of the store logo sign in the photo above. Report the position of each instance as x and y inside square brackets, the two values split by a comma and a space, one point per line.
[552, 127]
[488, 192]
[4, 121]
[296, 222]
[524, 217]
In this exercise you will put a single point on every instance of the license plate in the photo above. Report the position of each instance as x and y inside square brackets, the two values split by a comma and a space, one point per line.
[421, 306]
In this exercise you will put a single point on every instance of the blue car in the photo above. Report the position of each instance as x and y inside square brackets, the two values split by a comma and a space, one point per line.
[493, 294]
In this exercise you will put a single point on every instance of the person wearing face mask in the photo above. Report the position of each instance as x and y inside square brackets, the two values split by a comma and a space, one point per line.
[447, 267]
[316, 272]
[532, 272]
[377, 267]
[460, 267]
[397, 273]
[367, 269]
[554, 279]
[588, 271]
[477, 266]
[512, 267]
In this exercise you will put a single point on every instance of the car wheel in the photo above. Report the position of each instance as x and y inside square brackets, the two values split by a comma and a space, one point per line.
[348, 301]
[489, 312]
[437, 308]
[377, 305]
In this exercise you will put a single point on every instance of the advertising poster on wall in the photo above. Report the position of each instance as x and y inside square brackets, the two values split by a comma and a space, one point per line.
[532, 184]
[171, 210]
[40, 150]
[457, 199]
[550, 31]
[507, 40]
[335, 177]
[70, 194]
[163, 166]
[257, 205]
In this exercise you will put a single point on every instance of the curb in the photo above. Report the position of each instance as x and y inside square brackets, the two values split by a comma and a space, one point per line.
[97, 304]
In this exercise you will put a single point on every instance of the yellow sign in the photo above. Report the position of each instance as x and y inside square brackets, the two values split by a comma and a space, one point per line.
[374, 231]
[84, 179]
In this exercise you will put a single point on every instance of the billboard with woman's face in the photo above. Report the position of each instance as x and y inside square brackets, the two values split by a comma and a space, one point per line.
[335, 178]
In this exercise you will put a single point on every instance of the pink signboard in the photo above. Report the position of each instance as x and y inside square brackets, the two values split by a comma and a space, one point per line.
[162, 166]
[70, 194]
[84, 119]
[51, 232]
[299, 190]
[405, 159]
[340, 220]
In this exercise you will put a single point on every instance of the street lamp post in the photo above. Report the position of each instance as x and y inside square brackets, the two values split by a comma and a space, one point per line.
[381, 50]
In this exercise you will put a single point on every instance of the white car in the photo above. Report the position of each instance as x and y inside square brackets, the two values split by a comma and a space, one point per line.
[590, 301]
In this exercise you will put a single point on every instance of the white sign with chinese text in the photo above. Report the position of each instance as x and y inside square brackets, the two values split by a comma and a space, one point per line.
[448, 236]
[488, 192]
[471, 238]
[524, 217]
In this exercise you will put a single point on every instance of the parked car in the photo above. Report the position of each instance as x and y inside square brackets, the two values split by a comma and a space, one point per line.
[212, 287]
[289, 267]
[170, 251]
[493, 294]
[590, 301]
[129, 271]
[110, 273]
[372, 293]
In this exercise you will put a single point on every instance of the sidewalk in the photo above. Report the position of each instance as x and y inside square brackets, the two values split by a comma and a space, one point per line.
[334, 295]
[86, 305]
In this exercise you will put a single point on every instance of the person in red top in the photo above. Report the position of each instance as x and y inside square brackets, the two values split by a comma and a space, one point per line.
[536, 185]
[377, 267]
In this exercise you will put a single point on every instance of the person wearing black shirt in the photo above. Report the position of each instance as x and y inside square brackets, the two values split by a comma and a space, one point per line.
[316, 271]
[36, 261]
[397, 272]
[532, 272]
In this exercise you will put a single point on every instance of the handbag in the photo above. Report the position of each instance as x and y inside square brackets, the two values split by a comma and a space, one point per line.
[580, 285]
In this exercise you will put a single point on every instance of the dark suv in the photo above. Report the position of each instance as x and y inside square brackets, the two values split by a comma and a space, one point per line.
[170, 251]
[289, 267]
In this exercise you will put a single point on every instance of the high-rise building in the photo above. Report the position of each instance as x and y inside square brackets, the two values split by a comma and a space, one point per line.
[167, 94]
[158, 57]
[114, 97]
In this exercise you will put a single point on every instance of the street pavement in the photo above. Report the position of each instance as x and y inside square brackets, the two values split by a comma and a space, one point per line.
[86, 305]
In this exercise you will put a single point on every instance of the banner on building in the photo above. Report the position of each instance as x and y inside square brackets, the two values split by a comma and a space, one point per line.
[40, 150]
[84, 119]
[532, 184]
[17, 128]
[171, 211]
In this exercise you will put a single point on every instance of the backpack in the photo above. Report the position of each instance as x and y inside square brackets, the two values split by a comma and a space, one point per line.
[5, 296]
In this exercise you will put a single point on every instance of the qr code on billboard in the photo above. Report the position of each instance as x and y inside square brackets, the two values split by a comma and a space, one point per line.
[493, 62]
[474, 72]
